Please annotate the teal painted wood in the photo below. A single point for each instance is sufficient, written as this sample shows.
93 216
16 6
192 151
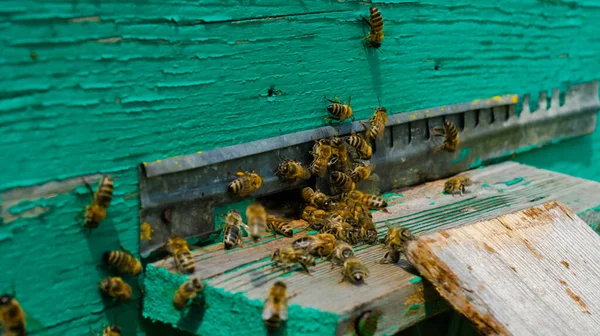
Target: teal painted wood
113 83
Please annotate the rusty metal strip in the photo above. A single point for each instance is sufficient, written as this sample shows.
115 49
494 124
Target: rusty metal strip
192 186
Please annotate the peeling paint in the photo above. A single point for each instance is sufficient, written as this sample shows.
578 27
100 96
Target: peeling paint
464 153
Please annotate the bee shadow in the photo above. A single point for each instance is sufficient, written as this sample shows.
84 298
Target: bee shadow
192 317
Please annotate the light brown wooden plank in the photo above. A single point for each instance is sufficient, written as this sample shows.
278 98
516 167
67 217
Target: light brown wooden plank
532 272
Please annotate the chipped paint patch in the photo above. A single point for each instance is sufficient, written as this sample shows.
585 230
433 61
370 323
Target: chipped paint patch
513 181
476 163
415 280
464 152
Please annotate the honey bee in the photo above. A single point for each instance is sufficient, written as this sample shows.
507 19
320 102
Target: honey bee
115 287
275 309
450 134
370 201
337 226
246 183
363 149
457 183
338 110
354 271
341 252
96 211
361 171
375 21
322 154
123 261
397 238
320 245
12 316
342 181
376 124
288 256
314 216
390 257
279 226
314 198
111 330
340 153
292 170
182 255
232 234
257 220
367 229
188 290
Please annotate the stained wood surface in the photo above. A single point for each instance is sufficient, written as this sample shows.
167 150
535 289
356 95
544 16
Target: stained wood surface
393 290
531 272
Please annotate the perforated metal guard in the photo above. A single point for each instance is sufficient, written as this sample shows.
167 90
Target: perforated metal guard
190 187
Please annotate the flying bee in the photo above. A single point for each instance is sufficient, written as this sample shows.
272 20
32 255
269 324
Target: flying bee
232 234
320 245
257 220
314 198
322 158
111 330
96 211
354 271
375 37
115 287
450 134
288 256
341 252
362 171
363 149
369 200
292 170
12 316
338 110
246 183
342 181
275 309
457 183
178 247
279 226
340 153
375 127
123 261
188 290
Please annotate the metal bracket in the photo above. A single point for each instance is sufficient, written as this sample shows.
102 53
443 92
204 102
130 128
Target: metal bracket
190 187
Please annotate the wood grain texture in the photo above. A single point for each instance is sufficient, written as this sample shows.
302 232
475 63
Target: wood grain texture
531 272
90 87
395 291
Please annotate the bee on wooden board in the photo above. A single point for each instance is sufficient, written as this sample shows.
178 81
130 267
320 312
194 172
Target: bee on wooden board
342 181
257 220
246 183
122 261
179 249
450 134
111 330
322 158
338 110
287 256
279 226
375 22
375 127
314 216
12 316
370 201
457 183
319 245
232 234
354 271
314 198
341 252
390 257
363 149
396 239
368 231
275 309
292 170
115 287
96 211
189 290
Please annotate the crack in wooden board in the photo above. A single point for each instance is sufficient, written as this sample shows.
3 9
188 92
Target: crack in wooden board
520 284
248 271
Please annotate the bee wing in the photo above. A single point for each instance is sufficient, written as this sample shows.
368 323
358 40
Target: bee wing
268 310
370 185
283 312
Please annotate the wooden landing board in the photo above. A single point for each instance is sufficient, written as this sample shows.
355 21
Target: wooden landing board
531 272
393 290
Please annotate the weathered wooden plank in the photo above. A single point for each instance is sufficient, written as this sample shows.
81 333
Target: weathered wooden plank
395 291
532 272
